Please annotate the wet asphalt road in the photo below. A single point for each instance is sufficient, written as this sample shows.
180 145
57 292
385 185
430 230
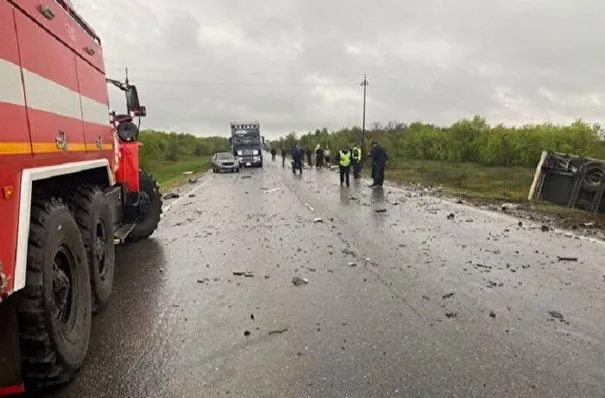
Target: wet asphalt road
432 307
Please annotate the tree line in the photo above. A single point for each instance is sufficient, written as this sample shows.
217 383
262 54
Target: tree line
172 147
468 140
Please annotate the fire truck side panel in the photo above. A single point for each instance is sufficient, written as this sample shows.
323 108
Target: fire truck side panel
14 139
51 89
95 107
65 28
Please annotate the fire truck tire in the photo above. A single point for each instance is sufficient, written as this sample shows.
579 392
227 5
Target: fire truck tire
93 215
54 308
150 208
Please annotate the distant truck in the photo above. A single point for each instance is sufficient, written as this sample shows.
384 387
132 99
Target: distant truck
247 143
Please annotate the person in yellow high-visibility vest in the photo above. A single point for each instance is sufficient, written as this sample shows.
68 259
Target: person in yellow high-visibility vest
344 165
356 161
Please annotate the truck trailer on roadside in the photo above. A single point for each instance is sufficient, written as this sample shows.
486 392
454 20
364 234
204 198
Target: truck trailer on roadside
70 190
247 143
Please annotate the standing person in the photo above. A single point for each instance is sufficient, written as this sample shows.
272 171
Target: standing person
309 156
356 161
273 153
344 165
297 158
380 159
283 157
319 156
327 156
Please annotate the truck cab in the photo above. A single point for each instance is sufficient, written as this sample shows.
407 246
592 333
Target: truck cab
247 143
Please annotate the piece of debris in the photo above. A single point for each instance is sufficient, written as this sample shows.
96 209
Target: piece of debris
297 281
318 220
239 273
545 228
567 258
267 276
508 206
483 266
555 314
446 296
279 331
246 333
311 269
451 314
171 195
492 314
193 180
247 176
187 172
252 316
451 216
248 275
191 195
352 264
520 223
588 224
380 210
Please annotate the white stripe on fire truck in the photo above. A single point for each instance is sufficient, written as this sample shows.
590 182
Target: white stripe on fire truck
45 95
11 90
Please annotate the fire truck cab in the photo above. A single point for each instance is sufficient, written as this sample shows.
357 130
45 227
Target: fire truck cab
70 190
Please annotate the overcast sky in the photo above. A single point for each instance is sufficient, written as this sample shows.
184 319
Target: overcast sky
297 64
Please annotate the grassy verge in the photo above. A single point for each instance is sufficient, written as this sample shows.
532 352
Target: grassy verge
170 174
469 180
485 186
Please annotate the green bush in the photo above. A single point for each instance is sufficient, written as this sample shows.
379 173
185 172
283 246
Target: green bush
159 146
466 141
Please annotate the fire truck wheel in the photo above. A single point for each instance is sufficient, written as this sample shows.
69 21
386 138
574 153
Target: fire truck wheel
93 215
54 308
150 207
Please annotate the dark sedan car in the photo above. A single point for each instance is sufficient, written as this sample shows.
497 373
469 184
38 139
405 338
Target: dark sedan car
224 161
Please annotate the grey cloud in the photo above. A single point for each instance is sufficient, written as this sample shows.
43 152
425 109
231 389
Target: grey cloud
297 64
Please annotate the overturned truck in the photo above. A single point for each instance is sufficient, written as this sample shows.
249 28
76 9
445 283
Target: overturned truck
570 180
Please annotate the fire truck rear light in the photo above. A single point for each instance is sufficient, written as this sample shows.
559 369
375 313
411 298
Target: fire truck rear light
47 12
7 192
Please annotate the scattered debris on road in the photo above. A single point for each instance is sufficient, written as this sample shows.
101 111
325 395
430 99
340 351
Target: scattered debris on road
545 228
246 333
279 331
171 195
380 210
189 172
246 176
446 296
298 281
246 274
318 220
352 264
559 258
451 314
492 314
191 195
193 180
451 216
252 316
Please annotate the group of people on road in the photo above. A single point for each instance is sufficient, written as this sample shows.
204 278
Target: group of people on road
346 158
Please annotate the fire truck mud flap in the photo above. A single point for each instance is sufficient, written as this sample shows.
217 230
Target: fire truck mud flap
10 359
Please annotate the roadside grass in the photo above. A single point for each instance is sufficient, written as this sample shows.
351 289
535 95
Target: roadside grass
483 186
466 179
169 174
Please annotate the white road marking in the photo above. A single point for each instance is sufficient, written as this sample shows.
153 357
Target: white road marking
166 208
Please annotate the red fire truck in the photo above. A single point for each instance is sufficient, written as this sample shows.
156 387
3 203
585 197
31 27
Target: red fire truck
70 190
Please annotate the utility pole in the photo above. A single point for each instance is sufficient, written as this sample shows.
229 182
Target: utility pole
364 84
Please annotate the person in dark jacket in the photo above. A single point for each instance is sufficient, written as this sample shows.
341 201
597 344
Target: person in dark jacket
297 158
309 156
319 156
380 160
283 157
273 153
